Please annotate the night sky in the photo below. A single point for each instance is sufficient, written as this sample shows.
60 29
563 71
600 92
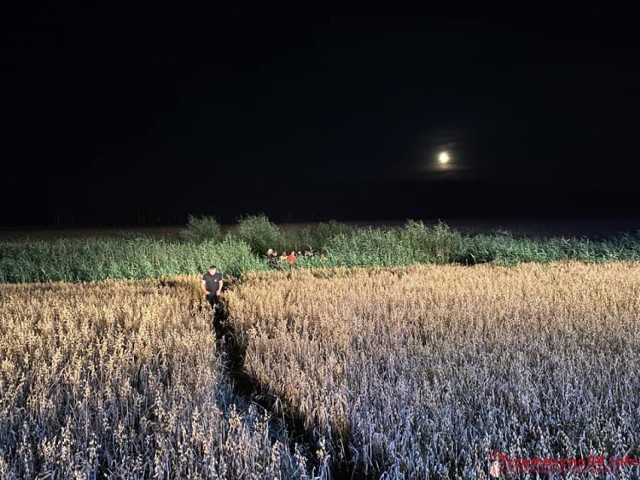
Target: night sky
114 115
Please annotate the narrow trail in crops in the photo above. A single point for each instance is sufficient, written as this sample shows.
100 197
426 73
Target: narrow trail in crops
249 388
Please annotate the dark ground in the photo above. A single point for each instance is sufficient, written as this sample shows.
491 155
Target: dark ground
297 198
530 226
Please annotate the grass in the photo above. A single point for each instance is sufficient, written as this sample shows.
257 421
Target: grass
244 250
74 260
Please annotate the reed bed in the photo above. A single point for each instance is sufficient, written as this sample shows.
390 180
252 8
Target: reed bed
90 259
420 372
335 245
121 379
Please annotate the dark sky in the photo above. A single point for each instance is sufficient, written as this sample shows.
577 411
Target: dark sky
120 114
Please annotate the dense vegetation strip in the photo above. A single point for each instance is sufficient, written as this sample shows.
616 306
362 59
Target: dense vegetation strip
334 245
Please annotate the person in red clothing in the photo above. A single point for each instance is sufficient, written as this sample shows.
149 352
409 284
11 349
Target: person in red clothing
291 258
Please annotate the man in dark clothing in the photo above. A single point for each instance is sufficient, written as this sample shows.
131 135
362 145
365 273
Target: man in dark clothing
212 286
272 258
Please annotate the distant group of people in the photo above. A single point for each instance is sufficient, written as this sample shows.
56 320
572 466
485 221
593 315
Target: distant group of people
212 282
274 259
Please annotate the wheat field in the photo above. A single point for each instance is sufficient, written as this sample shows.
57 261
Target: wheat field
121 379
420 372
415 372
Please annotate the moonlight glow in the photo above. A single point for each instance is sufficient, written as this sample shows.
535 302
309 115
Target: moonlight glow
443 158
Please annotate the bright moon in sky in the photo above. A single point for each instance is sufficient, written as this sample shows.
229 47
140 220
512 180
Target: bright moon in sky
443 158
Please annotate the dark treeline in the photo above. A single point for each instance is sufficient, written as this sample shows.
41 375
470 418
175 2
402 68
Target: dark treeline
120 201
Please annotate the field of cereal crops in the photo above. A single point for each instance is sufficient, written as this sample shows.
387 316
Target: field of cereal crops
412 372
122 379
420 372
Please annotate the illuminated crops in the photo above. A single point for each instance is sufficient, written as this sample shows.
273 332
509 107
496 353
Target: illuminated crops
414 372
122 380
422 371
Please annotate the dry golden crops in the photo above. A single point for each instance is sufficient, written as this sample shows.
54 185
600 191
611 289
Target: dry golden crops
407 373
421 372
122 380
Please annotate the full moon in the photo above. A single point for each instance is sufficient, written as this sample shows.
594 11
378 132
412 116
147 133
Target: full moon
443 158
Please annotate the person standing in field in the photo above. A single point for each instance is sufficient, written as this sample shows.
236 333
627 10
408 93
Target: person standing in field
272 257
212 286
